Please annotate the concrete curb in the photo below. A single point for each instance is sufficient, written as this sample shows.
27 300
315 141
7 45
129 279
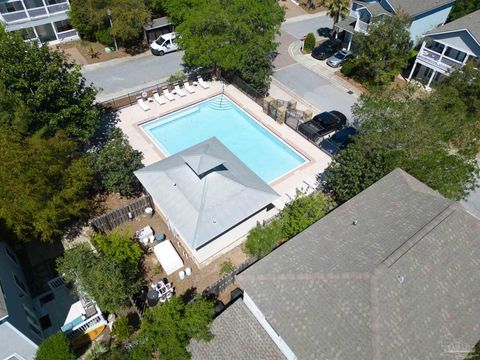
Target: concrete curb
91 67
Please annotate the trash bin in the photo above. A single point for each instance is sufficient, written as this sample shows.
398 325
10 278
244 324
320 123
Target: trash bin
149 211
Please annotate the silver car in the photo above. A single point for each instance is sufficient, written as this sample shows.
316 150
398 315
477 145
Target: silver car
339 58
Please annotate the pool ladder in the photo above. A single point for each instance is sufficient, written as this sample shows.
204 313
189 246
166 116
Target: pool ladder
220 103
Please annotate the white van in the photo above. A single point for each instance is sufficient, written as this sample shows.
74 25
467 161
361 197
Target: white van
164 44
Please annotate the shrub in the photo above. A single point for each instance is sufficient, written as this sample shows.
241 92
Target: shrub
178 76
261 240
103 36
309 42
348 68
226 267
122 329
55 347
119 247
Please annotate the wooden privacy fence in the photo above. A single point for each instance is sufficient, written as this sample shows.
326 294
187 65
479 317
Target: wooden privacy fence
117 217
224 282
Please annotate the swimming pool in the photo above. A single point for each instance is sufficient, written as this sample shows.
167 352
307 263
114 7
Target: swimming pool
263 152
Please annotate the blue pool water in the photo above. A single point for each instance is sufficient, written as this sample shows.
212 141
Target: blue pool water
263 152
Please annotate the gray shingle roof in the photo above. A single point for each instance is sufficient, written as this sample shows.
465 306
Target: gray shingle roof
237 336
416 7
401 283
470 22
205 190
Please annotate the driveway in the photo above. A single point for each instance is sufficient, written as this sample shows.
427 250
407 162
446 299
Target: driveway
319 24
121 76
318 91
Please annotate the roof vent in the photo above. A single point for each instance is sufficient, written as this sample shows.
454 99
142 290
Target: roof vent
355 222
401 279
214 221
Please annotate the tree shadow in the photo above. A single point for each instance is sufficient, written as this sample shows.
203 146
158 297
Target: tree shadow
325 32
189 296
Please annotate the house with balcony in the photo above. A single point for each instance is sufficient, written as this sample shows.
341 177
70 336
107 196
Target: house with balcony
45 21
27 319
392 274
425 15
447 48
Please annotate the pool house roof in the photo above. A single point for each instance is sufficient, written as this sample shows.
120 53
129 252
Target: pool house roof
204 191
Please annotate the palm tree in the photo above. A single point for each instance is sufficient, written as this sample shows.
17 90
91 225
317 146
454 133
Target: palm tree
337 9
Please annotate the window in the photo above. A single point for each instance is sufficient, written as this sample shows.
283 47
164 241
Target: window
27 34
63 25
10 254
53 2
20 284
11 7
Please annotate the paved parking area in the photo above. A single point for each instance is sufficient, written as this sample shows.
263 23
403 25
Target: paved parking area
318 91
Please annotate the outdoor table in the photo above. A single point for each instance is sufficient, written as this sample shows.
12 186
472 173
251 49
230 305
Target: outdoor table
144 233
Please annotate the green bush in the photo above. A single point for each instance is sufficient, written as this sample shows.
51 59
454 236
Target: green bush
294 218
261 240
348 68
55 347
122 329
226 267
119 247
309 42
103 36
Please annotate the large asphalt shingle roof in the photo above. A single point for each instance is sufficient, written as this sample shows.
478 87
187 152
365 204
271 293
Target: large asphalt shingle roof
237 336
400 284
205 190
416 7
470 22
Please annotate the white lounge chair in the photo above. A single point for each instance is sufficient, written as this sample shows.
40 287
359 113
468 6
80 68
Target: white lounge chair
188 87
179 91
159 99
143 105
168 94
203 83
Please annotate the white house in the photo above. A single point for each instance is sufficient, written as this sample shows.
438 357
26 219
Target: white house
38 20
208 197
448 48
425 15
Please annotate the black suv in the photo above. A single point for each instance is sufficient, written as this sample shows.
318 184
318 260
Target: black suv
323 124
327 49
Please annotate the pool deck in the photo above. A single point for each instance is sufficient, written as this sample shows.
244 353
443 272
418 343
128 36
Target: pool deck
131 117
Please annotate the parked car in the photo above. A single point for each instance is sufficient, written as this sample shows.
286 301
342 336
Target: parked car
327 49
338 141
323 124
164 44
339 58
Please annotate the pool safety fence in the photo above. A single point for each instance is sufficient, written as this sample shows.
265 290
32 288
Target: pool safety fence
113 219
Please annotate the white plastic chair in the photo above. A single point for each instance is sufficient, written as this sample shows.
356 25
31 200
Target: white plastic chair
202 83
189 88
188 271
179 91
159 99
181 275
168 95
143 105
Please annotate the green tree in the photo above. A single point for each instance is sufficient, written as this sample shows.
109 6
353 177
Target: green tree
45 185
109 282
262 239
337 9
55 347
115 165
462 8
90 18
379 58
120 247
166 330
232 36
309 42
400 129
122 330
48 90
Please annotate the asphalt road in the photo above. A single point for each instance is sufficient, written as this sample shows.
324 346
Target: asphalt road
119 77
319 25
318 91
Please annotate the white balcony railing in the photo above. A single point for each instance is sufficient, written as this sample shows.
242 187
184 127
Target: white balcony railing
89 324
66 34
438 60
33 13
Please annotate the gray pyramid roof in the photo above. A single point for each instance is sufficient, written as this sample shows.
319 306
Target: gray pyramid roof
400 284
470 22
205 190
